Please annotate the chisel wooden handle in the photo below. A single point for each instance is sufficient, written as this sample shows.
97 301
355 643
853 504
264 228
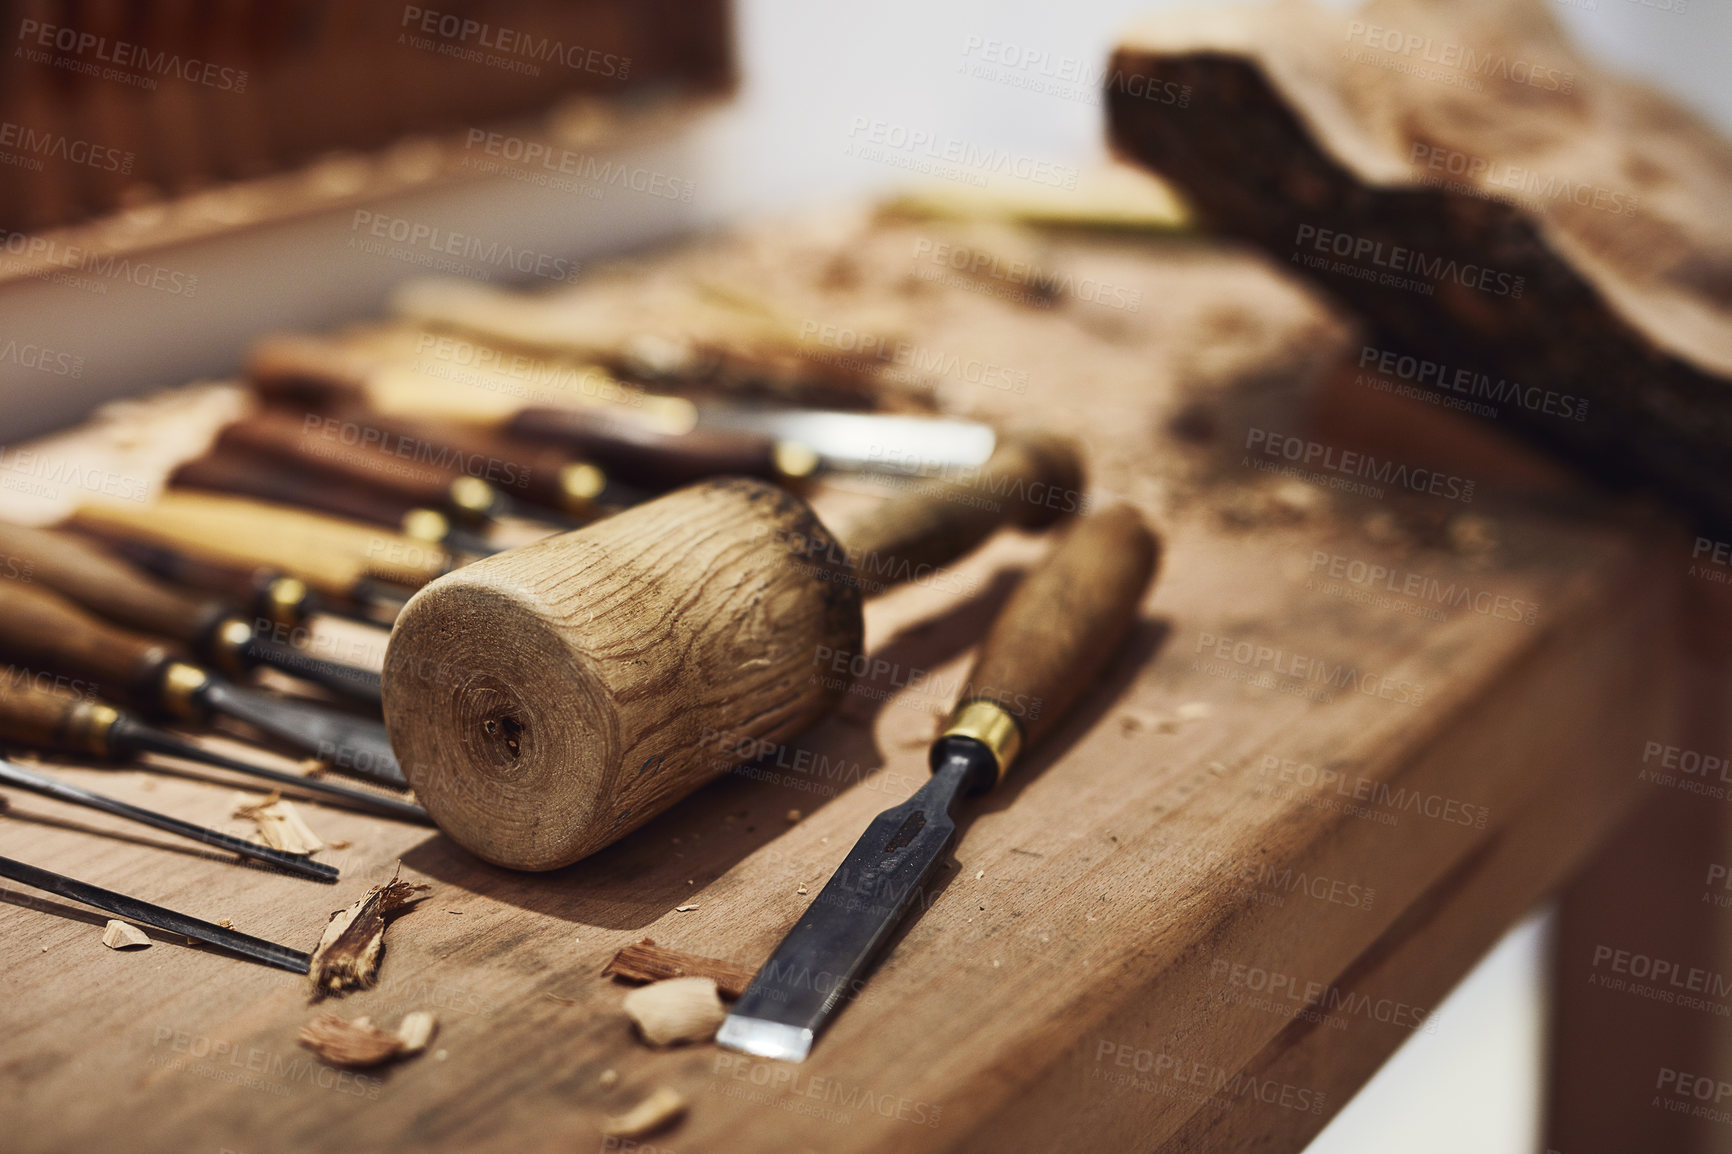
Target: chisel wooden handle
1054 635
41 630
331 447
109 586
1032 480
266 480
311 372
641 454
31 713
547 701
333 556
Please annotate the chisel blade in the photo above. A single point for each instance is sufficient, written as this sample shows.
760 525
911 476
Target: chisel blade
349 680
350 744
824 958
247 946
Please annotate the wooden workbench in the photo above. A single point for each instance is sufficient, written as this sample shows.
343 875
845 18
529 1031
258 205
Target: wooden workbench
1294 777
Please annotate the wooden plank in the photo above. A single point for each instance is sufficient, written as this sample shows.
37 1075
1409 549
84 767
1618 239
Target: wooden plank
1172 822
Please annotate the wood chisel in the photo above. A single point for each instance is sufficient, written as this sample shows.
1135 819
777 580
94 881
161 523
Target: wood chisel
133 909
15 775
40 629
1048 644
63 723
126 595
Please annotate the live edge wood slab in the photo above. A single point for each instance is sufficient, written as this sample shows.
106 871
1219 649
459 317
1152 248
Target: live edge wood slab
1349 742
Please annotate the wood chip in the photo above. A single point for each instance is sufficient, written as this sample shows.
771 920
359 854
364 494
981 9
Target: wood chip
676 1011
686 909
280 825
658 1110
119 935
648 962
359 1043
347 956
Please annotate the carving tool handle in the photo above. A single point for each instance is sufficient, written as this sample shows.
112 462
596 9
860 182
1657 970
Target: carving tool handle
640 454
346 450
33 713
41 630
238 474
1031 480
1055 634
106 585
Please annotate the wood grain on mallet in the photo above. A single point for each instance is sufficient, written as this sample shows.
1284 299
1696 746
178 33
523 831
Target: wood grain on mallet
549 700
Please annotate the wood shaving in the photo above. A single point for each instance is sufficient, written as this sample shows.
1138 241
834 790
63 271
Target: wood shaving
347 956
359 1043
280 825
685 909
119 935
677 1010
561 999
658 1110
648 962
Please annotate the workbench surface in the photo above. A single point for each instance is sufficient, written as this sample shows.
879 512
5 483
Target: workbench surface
1316 765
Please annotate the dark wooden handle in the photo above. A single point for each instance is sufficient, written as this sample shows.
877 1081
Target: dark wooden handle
252 476
106 585
1065 620
357 453
1032 480
307 371
642 455
33 711
42 631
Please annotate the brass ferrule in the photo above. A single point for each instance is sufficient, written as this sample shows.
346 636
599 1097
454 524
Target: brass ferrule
794 460
228 645
580 483
428 526
181 685
472 498
285 601
990 724
88 727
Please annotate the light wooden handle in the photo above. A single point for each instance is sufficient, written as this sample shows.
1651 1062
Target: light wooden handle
1032 480
34 713
106 585
331 555
547 701
1054 635
44 632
